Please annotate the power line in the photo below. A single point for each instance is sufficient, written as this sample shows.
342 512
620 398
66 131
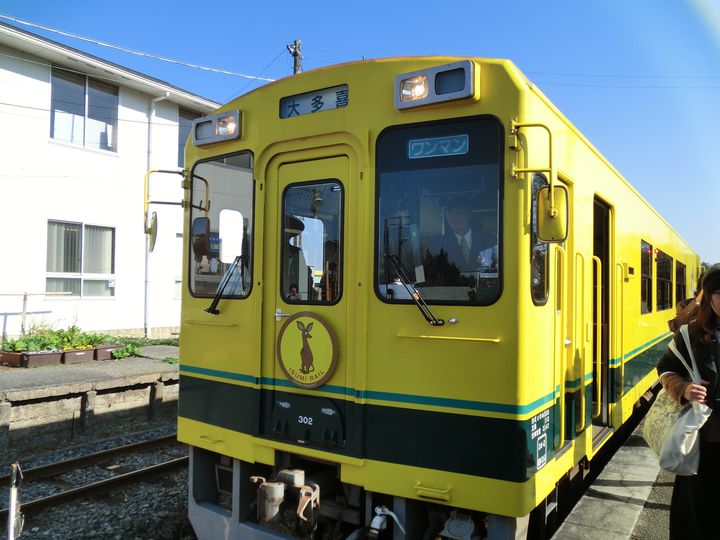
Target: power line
609 76
345 55
242 90
135 52
629 86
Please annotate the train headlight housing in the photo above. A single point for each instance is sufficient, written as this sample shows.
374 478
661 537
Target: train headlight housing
414 88
224 126
449 82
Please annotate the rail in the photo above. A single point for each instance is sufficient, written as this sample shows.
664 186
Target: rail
54 469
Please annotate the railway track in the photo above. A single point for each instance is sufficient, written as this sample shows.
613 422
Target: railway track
52 470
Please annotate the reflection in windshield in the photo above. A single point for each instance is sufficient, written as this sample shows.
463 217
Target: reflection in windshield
440 215
230 184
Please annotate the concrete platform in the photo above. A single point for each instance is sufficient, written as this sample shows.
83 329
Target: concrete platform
54 401
630 499
18 384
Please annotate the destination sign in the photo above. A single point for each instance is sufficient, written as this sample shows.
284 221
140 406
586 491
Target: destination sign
454 145
326 99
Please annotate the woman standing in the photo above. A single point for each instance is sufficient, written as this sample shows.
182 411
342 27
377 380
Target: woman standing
695 506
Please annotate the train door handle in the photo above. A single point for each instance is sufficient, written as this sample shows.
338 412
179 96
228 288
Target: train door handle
280 315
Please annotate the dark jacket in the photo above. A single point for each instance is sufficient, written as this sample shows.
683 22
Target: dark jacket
448 243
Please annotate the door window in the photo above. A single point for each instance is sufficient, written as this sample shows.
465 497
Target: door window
311 243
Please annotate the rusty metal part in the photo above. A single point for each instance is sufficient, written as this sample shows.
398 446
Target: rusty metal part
309 494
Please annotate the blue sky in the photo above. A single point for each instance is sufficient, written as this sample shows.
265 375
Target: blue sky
640 78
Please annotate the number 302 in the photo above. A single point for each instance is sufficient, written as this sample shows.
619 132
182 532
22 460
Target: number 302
307 420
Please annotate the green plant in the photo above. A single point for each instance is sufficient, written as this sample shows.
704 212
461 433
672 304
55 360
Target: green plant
143 341
171 360
38 338
96 339
72 338
128 350
30 343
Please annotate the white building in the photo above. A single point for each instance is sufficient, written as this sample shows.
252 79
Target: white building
77 135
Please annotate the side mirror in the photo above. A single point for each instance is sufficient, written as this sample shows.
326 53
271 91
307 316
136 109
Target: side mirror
201 237
231 235
552 223
152 231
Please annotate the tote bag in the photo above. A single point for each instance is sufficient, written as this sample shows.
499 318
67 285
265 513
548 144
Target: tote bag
672 430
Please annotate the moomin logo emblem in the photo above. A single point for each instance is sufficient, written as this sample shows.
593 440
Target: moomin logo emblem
307 350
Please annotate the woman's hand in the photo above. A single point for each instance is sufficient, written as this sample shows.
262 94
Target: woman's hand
696 392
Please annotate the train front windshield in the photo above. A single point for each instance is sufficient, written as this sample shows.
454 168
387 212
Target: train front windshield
439 208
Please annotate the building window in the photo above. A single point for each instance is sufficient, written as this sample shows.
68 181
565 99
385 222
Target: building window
84 111
680 290
645 277
664 265
80 259
185 120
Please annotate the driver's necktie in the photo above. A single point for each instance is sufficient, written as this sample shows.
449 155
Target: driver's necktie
464 251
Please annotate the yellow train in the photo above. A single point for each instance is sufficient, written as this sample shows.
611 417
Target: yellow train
417 300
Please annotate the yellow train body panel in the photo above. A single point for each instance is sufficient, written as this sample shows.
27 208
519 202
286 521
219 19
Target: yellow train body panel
545 347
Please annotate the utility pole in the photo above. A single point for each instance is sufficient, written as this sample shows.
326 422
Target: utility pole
294 50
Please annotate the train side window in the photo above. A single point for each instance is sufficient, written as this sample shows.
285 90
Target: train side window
223 185
664 265
311 258
538 250
680 281
645 277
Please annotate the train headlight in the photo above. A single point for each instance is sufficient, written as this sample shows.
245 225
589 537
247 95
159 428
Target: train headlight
414 88
448 82
224 126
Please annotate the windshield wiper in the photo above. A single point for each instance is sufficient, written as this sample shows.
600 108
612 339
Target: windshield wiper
408 284
213 310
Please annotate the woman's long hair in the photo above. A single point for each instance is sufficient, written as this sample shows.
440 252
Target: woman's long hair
706 319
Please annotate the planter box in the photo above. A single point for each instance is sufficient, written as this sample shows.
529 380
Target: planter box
104 352
11 358
31 359
77 356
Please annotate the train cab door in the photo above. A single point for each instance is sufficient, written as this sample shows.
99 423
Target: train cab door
602 383
304 362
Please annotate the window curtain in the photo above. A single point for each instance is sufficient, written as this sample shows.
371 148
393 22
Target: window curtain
63 247
99 243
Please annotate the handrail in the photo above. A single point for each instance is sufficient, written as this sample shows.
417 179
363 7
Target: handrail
620 321
598 336
560 343
147 202
580 336
516 126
